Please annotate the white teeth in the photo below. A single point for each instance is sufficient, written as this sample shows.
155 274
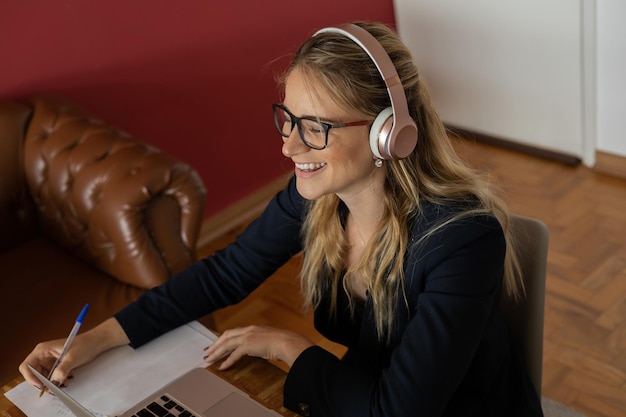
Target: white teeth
311 166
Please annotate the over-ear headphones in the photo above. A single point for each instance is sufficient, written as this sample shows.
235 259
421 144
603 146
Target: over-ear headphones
393 134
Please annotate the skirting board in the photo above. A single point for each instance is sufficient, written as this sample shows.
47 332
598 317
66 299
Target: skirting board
244 209
563 158
605 163
611 164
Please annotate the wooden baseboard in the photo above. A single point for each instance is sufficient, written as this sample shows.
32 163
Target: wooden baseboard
611 164
244 209
514 146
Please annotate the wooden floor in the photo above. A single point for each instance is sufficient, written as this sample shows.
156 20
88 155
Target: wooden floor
585 315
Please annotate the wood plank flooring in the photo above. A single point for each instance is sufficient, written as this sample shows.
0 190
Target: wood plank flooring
585 315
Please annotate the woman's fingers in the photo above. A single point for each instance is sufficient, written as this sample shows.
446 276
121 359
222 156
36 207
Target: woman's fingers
225 344
42 359
260 341
44 355
231 358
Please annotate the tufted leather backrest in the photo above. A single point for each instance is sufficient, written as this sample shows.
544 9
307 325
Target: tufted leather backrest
118 204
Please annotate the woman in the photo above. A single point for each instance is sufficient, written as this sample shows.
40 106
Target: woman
405 257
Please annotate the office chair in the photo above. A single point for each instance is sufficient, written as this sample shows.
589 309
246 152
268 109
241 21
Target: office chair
525 316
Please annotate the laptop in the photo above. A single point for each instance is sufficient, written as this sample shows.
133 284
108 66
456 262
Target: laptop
197 393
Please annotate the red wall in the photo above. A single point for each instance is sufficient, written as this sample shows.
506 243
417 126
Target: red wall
192 77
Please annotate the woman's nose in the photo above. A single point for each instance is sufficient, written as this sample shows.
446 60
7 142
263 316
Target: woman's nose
293 144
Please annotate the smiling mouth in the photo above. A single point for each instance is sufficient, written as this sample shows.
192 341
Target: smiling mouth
309 167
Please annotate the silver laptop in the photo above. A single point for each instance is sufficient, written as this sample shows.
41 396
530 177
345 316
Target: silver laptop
198 393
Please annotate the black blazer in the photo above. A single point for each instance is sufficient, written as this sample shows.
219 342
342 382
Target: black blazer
450 353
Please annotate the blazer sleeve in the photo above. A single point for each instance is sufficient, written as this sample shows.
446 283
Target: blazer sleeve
224 278
459 271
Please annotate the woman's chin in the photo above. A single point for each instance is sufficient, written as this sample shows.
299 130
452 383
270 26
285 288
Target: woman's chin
307 190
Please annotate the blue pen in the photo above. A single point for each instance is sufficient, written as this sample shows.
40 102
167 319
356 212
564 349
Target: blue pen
68 342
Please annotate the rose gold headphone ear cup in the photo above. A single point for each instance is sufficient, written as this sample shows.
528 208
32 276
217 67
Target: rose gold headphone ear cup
379 133
386 145
404 141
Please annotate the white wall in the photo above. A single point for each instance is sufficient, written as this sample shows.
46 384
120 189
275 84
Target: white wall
548 73
509 69
611 76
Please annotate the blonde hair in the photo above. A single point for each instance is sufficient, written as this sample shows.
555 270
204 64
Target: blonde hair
433 172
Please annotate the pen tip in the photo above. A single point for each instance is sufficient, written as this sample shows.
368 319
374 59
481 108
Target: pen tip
82 314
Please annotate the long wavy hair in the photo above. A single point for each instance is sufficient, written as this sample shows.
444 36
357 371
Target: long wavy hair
432 172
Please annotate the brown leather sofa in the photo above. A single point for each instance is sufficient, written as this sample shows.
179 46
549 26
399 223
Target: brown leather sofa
87 215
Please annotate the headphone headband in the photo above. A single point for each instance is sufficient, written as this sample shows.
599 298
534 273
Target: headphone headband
395 135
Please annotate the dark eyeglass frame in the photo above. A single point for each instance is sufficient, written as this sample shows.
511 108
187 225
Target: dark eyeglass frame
295 121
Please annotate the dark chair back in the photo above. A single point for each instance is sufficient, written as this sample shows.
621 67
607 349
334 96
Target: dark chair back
525 317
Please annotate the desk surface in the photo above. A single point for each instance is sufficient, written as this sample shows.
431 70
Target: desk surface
259 378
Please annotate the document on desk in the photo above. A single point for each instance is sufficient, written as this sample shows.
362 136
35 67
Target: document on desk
121 377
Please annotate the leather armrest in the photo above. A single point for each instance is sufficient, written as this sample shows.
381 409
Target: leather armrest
121 205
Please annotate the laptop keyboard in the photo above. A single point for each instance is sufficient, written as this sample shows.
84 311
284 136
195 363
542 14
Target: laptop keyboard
164 406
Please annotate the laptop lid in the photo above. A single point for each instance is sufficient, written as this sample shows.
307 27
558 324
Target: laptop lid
199 391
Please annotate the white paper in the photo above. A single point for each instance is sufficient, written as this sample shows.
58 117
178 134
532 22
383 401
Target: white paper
121 377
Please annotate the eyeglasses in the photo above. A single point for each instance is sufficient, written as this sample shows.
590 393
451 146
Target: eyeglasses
313 132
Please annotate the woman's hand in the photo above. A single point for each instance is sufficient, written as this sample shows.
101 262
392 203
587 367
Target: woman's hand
84 349
261 341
